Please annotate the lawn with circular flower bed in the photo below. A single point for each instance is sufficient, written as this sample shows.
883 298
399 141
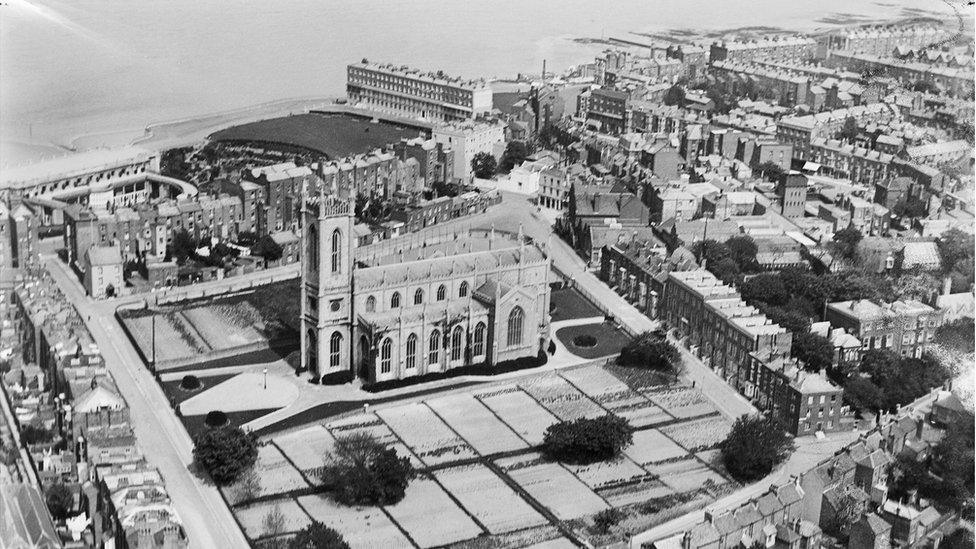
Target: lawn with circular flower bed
593 340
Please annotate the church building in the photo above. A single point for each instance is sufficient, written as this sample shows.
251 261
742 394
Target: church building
418 304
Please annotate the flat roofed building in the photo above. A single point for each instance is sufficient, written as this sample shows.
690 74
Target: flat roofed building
409 92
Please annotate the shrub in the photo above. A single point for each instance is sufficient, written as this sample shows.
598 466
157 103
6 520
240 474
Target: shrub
606 518
216 418
552 347
587 440
754 446
584 341
190 382
651 350
317 536
363 471
274 522
60 501
225 453
31 434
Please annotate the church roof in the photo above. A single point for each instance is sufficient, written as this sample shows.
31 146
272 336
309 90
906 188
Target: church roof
424 270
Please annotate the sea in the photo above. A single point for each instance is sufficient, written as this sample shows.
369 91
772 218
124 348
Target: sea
71 71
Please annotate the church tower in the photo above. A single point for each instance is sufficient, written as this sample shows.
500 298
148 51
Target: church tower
327 263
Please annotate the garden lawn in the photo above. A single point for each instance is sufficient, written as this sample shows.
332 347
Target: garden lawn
650 446
561 398
641 380
569 304
489 499
252 516
277 475
609 339
476 424
699 434
307 449
360 526
521 412
372 425
553 486
428 437
430 517
245 391
178 395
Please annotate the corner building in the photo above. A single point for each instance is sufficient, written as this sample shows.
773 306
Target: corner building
419 304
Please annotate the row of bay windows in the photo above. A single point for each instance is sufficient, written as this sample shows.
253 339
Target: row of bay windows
516 321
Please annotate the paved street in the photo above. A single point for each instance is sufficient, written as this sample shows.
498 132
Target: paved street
162 438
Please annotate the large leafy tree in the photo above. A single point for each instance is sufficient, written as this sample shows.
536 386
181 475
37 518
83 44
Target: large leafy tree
845 241
183 246
955 247
754 446
363 471
484 165
815 351
267 248
587 440
651 350
675 96
742 250
515 153
225 453
317 536
60 501
849 130
765 288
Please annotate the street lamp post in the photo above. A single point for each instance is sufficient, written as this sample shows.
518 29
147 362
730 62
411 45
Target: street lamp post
265 378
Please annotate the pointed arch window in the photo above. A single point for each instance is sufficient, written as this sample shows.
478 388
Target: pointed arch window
336 250
335 350
434 348
457 338
386 356
515 320
418 297
395 301
411 351
479 340
370 304
313 249
441 293
463 290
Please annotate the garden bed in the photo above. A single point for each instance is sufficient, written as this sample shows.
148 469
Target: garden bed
476 424
699 434
520 411
559 397
307 449
430 517
359 526
557 489
252 517
425 434
489 499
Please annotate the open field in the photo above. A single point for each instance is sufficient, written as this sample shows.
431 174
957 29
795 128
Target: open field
335 135
482 481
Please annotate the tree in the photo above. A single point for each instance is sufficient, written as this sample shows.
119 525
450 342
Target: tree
848 510
918 286
754 446
248 238
849 131
225 453
770 170
902 379
766 288
32 434
274 522
651 350
960 538
724 269
363 471
587 440
675 96
813 350
958 335
60 501
483 165
515 153
846 241
267 248
863 394
955 247
183 246
743 251
952 461
792 319
317 536
248 487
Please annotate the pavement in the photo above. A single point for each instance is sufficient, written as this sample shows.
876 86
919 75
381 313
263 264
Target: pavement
160 435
